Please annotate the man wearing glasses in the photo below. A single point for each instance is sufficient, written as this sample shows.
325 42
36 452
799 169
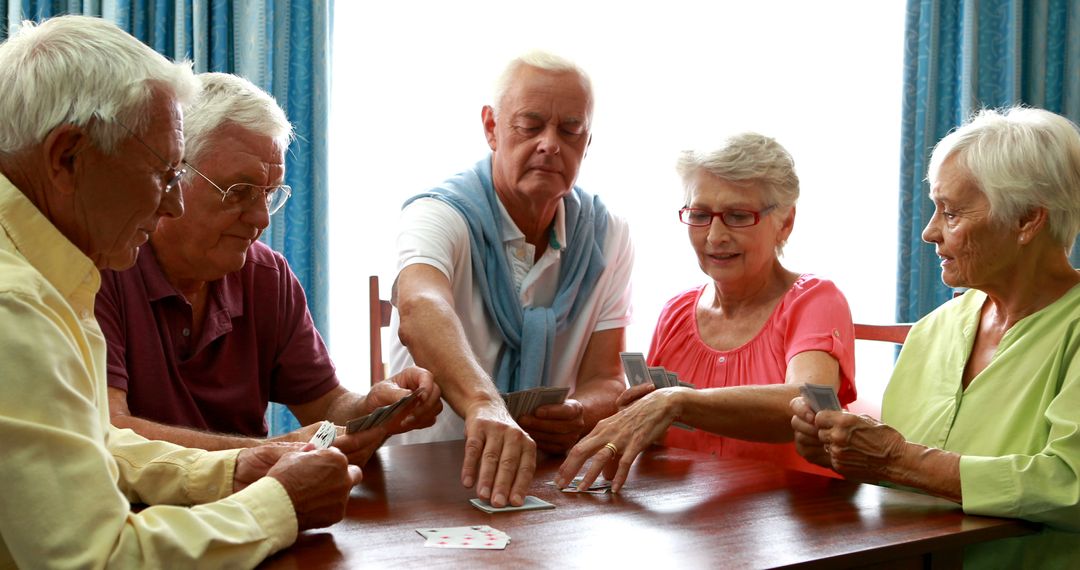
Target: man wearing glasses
90 163
211 324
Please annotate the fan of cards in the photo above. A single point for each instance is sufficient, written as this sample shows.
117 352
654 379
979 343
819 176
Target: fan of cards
525 402
379 416
638 372
480 537
820 397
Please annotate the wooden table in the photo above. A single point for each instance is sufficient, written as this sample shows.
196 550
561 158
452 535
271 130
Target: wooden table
679 509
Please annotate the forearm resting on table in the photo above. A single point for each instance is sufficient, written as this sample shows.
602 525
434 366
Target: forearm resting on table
934 471
186 437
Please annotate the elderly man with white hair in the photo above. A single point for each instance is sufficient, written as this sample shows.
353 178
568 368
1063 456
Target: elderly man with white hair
90 161
511 277
211 324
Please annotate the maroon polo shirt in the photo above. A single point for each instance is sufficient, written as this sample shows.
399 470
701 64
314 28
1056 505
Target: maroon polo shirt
258 344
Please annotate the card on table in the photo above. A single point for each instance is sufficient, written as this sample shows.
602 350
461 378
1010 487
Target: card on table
531 503
379 416
599 486
480 537
820 397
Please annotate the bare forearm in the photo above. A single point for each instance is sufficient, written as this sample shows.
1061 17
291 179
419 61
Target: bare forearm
753 413
929 469
184 436
431 331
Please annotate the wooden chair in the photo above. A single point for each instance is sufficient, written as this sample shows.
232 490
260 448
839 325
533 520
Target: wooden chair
378 317
886 333
895 333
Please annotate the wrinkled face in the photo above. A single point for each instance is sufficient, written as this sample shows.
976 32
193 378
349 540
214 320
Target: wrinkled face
975 251
120 196
540 135
731 256
210 241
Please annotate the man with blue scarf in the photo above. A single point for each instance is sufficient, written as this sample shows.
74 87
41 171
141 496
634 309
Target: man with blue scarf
511 277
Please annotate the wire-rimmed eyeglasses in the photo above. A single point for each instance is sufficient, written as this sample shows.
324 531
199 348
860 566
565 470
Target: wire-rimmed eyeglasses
237 196
175 174
731 218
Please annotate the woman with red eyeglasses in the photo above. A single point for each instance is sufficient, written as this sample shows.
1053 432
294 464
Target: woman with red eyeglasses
747 338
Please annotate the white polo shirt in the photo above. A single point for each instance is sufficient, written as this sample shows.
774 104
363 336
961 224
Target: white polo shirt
434 233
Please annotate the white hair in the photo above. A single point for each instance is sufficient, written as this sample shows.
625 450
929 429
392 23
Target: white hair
746 157
540 60
227 98
1021 158
83 71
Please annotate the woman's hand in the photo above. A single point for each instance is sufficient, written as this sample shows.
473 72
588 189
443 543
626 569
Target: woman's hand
858 447
629 432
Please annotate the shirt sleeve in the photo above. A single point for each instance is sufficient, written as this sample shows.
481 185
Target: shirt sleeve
433 233
1042 487
615 307
819 319
63 493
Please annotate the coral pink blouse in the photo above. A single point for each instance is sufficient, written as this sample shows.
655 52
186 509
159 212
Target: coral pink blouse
813 315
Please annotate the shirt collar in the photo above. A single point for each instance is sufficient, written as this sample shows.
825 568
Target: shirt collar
62 264
227 292
557 237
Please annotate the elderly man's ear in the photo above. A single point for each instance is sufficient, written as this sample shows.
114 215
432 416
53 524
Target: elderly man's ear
61 153
487 115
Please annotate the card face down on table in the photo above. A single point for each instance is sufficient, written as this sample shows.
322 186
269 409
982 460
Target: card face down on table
531 504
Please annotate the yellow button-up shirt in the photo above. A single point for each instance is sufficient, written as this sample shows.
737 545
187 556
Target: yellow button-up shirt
68 477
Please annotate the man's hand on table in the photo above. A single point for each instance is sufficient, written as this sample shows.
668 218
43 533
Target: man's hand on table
500 457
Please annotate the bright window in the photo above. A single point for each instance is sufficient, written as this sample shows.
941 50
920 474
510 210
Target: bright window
823 78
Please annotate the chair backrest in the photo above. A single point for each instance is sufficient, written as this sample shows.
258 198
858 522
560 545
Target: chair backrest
887 333
378 317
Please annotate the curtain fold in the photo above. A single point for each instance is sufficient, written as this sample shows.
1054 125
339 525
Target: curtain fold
283 47
960 56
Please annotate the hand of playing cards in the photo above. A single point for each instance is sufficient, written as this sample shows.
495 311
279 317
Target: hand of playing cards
379 416
525 402
638 372
820 397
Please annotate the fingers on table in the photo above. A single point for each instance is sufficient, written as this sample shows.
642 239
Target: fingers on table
506 462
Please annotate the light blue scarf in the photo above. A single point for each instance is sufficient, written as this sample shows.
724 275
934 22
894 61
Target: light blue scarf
528 334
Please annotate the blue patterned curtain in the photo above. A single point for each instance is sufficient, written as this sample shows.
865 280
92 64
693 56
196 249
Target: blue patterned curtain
282 46
961 55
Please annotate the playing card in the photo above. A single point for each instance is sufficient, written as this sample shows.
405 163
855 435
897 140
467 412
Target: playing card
525 402
820 397
658 376
531 503
480 537
325 435
598 487
378 416
633 363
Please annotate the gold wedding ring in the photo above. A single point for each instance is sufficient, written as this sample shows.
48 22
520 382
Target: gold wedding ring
611 446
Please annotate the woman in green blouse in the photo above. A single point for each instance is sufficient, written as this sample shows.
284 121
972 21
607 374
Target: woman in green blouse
984 403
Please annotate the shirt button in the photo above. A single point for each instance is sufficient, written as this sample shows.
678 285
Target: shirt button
836 333
722 359
186 332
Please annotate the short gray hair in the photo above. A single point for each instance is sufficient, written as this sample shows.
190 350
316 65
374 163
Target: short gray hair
539 59
83 71
1021 158
227 98
746 157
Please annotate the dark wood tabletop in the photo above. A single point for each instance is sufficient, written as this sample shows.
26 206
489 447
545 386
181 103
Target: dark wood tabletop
679 509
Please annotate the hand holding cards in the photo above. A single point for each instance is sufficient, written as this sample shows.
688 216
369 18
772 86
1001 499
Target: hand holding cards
379 416
325 436
525 402
820 397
